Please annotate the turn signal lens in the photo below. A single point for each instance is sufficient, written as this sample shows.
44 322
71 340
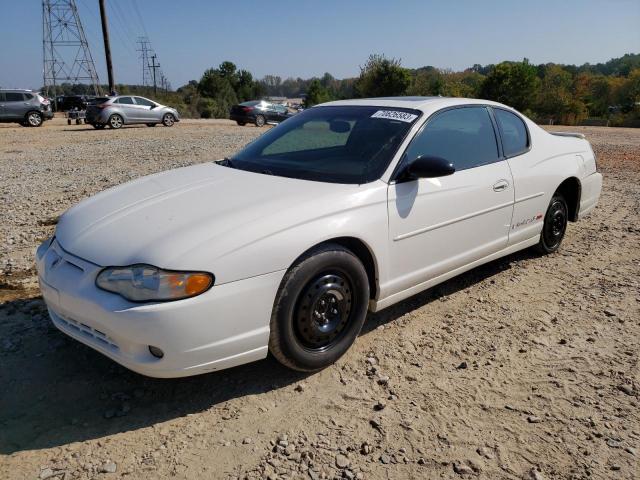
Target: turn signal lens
197 283
144 283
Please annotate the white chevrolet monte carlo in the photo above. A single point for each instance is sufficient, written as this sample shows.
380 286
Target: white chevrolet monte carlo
348 207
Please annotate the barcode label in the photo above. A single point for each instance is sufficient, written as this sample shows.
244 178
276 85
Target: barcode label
395 115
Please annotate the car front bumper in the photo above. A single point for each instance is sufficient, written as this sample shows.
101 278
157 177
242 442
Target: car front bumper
224 327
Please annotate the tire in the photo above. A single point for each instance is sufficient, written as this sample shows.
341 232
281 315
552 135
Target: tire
68 121
242 124
115 121
34 119
168 120
99 126
307 332
151 124
260 121
555 225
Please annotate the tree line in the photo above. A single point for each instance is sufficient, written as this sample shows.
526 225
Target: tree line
548 93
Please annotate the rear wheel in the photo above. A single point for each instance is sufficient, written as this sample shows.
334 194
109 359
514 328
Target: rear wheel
99 126
319 309
34 119
115 121
168 120
555 225
260 121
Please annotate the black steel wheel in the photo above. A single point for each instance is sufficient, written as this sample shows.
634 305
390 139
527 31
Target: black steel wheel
319 309
323 310
555 225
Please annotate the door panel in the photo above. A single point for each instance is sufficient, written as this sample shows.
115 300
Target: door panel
439 224
15 106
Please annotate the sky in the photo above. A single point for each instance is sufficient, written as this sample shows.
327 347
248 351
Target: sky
307 38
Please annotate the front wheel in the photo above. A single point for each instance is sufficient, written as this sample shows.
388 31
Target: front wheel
34 119
115 121
151 124
260 121
555 225
242 124
319 309
168 120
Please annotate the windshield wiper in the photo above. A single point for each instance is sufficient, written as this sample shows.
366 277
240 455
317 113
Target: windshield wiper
226 162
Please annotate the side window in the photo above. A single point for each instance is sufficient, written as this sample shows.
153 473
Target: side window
124 101
2 97
515 139
144 102
14 97
464 136
28 96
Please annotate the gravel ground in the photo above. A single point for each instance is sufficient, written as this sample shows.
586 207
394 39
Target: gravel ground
525 368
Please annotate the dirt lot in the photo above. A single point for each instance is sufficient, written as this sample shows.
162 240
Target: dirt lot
526 368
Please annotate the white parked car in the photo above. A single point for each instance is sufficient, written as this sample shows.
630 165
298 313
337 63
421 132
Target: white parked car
346 208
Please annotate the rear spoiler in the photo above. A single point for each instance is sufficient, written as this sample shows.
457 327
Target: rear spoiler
568 134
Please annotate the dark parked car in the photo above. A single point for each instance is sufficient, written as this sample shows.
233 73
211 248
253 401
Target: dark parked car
26 107
71 102
259 112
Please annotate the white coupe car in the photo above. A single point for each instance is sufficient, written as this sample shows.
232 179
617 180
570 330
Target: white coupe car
348 207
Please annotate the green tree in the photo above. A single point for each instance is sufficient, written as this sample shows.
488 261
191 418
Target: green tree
512 83
382 77
316 94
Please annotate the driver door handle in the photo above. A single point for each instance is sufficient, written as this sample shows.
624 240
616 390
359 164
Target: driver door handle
500 186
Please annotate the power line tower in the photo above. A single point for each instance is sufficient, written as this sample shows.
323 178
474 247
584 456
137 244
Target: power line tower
145 54
65 49
152 75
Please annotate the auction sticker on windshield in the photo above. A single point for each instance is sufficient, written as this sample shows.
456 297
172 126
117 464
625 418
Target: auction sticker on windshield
395 115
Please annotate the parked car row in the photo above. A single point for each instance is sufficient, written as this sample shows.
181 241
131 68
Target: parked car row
30 108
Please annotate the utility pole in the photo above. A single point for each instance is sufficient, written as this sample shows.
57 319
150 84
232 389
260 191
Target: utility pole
155 66
107 47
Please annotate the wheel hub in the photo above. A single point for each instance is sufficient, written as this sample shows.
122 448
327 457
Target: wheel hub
323 311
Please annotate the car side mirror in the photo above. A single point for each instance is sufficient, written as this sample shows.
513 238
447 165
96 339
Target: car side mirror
428 167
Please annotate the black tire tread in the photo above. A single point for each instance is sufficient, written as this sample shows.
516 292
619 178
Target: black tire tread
275 347
540 247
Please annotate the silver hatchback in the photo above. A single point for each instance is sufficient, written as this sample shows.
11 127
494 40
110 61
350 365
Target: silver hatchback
129 110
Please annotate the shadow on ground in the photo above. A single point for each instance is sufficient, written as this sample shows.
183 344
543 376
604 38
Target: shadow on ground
56 391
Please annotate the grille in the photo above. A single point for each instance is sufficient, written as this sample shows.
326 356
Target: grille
85 330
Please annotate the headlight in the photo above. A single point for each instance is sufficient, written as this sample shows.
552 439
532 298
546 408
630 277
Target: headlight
143 283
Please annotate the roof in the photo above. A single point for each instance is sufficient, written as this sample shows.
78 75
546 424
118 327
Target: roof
418 103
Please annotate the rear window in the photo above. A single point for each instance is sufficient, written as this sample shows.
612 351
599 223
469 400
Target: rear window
28 96
98 101
253 103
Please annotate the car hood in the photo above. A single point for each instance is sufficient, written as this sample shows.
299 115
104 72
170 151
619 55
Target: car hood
164 218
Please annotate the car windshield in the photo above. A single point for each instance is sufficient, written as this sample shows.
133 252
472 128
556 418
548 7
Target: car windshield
338 144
